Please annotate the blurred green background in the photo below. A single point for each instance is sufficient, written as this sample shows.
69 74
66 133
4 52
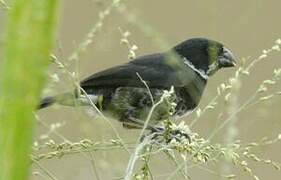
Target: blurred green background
246 27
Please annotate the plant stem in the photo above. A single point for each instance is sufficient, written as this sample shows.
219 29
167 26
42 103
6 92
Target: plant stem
29 37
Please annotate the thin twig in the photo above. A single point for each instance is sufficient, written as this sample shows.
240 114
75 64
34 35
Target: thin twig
94 167
46 171
4 5
148 89
140 144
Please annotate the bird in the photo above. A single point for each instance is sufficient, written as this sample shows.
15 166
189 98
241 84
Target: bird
127 92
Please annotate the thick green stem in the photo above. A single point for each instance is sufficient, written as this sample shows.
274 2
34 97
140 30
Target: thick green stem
29 37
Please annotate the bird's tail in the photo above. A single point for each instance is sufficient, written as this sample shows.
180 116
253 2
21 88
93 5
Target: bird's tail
47 101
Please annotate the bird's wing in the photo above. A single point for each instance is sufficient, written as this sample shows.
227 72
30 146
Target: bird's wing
156 70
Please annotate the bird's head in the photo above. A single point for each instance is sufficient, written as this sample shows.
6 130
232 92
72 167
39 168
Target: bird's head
207 56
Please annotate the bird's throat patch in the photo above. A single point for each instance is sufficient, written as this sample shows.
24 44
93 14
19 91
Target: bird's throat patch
213 51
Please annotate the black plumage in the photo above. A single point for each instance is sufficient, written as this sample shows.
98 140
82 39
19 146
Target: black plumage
186 68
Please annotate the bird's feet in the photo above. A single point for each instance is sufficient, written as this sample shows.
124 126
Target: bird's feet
167 132
170 132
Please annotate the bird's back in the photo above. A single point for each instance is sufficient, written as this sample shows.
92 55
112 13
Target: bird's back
126 97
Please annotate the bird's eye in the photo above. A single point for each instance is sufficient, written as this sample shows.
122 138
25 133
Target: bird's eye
222 50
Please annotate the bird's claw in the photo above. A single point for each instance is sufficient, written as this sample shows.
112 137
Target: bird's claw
159 133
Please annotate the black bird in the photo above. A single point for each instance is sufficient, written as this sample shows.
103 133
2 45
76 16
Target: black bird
120 92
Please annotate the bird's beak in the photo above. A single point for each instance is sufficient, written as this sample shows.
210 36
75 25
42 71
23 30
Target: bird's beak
227 59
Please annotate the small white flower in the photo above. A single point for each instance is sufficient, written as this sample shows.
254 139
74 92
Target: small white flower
218 91
232 81
256 177
172 90
244 163
210 107
278 41
223 86
262 88
269 82
124 41
183 156
58 125
116 2
198 112
262 56
73 74
134 47
182 127
132 54
266 98
127 34
173 104
245 72
226 97
43 136
55 77
35 144
277 72
276 48
53 127
279 136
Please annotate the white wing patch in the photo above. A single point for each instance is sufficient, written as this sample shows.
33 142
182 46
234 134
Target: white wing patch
88 99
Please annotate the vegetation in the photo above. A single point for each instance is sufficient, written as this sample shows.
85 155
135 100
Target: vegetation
33 21
29 36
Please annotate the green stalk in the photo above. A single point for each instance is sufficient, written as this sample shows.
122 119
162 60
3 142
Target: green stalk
29 38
